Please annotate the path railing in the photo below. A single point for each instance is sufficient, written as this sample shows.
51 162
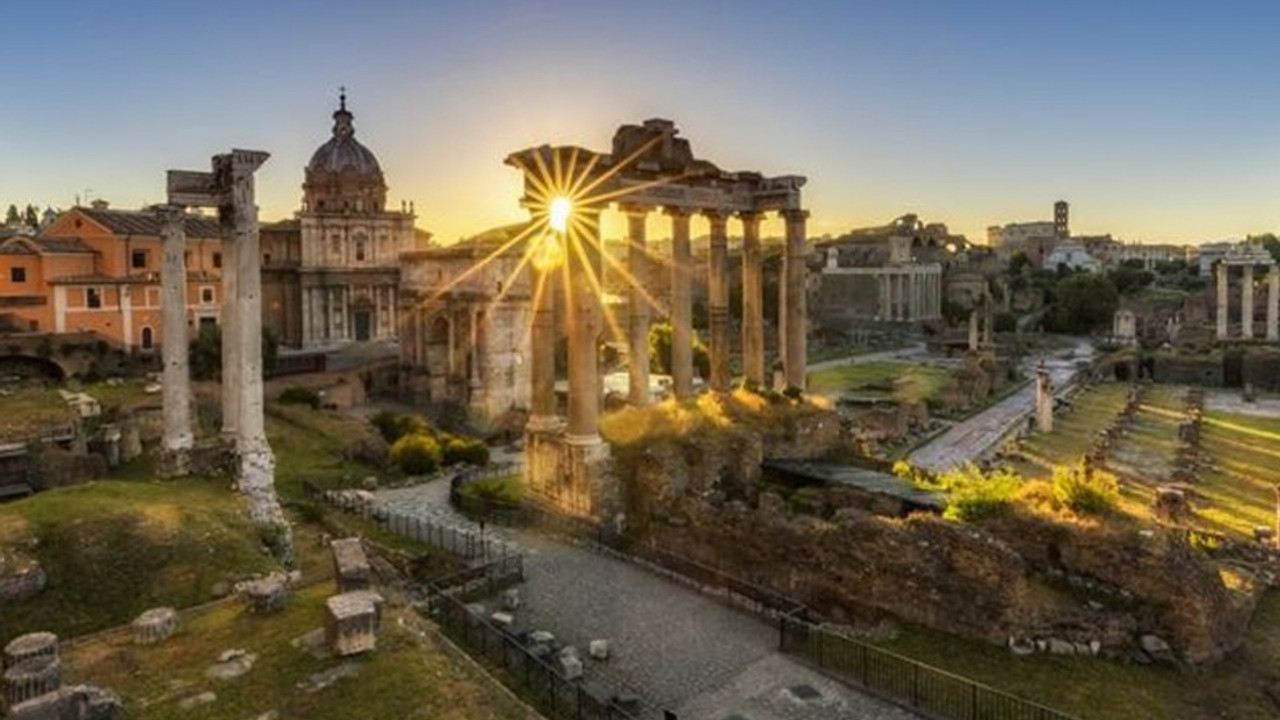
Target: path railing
928 691
518 667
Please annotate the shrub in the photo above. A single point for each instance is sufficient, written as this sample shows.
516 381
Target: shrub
394 425
416 454
1084 490
973 494
300 396
464 450
499 491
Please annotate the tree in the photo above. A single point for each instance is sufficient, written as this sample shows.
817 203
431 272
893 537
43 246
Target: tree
32 216
1082 302
1018 262
660 351
1129 279
12 216
204 355
1269 241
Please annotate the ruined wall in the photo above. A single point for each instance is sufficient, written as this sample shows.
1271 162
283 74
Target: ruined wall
1021 578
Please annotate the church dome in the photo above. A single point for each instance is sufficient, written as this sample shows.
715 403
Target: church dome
343 175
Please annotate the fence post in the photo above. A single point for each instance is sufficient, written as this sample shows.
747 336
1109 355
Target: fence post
973 701
915 684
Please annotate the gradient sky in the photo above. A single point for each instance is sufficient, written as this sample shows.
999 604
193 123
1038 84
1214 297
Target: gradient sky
1159 120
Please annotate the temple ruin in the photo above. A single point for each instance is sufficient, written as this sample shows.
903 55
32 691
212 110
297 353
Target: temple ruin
1247 258
230 189
651 170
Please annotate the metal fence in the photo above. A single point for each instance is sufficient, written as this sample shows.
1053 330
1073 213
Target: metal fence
457 541
927 690
528 675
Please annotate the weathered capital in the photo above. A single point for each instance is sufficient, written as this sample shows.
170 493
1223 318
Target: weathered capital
633 209
169 213
793 215
677 212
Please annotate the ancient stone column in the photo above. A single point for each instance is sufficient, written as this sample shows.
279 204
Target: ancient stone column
681 304
913 307
257 462
794 274
638 332
1246 304
1044 400
886 303
988 321
542 363
973 329
178 438
584 328
1273 304
752 300
718 300
230 323
1223 280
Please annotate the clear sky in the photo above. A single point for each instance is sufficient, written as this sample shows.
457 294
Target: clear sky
1156 119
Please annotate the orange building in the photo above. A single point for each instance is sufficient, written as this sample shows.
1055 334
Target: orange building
98 270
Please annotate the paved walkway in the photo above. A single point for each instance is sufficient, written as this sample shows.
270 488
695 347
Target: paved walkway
906 353
1230 401
675 648
971 438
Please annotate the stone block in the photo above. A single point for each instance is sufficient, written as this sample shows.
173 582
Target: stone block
351 623
155 626
351 565
503 620
598 649
568 663
195 701
81 702
32 678
268 594
23 647
1061 647
511 599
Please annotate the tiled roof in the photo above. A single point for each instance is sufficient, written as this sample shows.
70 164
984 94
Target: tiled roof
62 245
15 248
136 222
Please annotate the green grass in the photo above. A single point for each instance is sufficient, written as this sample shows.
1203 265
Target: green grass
29 411
900 382
408 676
1238 490
308 445
113 549
1075 429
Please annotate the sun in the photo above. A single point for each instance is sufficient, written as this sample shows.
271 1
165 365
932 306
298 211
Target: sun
558 214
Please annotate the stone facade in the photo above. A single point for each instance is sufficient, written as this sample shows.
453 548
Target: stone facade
332 275
465 320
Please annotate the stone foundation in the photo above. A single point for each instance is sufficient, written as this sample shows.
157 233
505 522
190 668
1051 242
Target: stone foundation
574 476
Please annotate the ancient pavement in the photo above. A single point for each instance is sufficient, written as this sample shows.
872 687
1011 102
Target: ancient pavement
1230 401
675 648
971 438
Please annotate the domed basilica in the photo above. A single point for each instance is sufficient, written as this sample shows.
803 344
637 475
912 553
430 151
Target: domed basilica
332 275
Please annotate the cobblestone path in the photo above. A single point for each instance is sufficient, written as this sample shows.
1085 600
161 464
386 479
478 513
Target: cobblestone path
672 647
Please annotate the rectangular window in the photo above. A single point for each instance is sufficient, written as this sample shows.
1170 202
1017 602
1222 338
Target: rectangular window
17 274
206 296
138 260
92 297
217 260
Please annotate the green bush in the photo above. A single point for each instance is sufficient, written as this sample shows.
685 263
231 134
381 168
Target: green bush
464 450
498 491
394 425
300 396
973 494
416 454
1085 491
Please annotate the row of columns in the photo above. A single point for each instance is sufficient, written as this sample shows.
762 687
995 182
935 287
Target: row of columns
910 294
1247 302
584 315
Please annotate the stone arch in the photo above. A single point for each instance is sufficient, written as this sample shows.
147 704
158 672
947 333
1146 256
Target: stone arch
33 366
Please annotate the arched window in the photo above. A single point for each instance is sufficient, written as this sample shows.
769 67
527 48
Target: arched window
360 251
148 338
